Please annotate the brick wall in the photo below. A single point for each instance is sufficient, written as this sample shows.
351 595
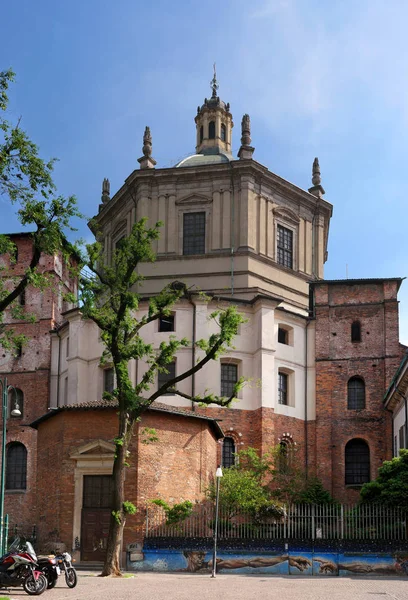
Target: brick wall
177 467
31 371
374 359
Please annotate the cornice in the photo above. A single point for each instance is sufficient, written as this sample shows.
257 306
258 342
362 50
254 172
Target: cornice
235 169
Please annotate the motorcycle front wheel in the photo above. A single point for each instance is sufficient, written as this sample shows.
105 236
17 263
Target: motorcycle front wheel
33 586
71 577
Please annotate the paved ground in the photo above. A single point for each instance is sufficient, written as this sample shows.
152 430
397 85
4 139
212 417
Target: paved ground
180 586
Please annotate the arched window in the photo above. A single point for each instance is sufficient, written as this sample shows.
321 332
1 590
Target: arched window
356 331
223 133
357 462
16 467
15 400
283 457
201 133
355 394
228 453
211 130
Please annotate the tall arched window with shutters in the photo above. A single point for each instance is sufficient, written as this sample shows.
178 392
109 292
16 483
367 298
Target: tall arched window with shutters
16 466
355 393
228 452
357 462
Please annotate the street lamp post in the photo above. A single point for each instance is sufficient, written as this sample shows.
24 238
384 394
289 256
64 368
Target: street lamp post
5 388
218 475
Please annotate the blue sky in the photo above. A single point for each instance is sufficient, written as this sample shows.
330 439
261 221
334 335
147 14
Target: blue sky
326 79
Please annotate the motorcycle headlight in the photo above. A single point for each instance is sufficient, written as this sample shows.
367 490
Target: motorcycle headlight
67 556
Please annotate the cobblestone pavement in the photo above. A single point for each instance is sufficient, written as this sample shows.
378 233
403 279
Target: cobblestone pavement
177 586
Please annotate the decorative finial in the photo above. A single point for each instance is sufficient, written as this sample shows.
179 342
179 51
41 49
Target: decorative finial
316 179
246 150
317 189
105 190
146 161
246 130
214 84
147 142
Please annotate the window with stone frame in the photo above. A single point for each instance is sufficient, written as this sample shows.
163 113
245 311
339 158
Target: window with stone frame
166 323
163 377
283 388
355 393
357 462
285 246
211 130
194 233
119 242
16 466
228 452
229 377
283 336
108 380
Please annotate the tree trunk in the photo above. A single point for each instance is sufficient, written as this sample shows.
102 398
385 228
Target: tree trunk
118 516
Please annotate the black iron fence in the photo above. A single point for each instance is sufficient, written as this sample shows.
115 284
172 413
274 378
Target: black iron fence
307 521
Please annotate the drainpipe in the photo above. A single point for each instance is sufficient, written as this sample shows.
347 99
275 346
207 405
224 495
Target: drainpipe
392 433
193 352
232 231
58 368
306 427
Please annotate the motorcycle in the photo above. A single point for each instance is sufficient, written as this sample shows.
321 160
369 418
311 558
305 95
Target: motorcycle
52 566
19 567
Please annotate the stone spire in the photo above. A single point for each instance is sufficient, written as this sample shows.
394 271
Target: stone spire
246 150
105 193
214 84
317 189
146 161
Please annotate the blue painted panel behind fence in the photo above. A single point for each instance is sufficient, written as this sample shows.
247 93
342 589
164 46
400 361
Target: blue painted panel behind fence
290 563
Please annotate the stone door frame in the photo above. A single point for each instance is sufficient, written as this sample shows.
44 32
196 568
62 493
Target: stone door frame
94 458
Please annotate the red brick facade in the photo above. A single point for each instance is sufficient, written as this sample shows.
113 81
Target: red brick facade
30 373
374 359
177 467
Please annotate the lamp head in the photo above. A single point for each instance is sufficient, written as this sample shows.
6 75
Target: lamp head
218 472
16 412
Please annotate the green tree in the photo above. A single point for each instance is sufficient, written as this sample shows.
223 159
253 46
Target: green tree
241 490
108 298
391 486
26 181
273 479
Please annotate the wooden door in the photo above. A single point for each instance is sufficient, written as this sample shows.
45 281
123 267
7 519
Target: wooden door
96 511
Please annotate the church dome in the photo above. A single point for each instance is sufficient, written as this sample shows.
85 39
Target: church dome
199 160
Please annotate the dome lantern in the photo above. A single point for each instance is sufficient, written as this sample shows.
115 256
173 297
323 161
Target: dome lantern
214 123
